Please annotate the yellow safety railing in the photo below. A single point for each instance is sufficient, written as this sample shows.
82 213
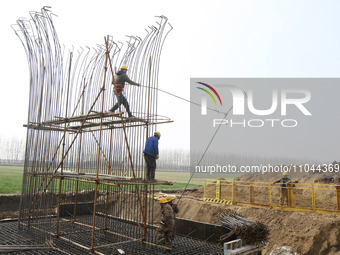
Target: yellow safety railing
321 198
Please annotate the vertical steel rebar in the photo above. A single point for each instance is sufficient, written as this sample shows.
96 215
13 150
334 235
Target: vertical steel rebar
93 145
63 148
99 152
79 157
147 134
125 137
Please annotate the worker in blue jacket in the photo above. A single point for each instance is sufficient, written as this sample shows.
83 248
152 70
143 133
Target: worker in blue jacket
151 154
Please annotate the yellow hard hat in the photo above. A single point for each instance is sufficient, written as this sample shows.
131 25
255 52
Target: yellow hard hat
158 134
169 198
162 200
124 67
285 173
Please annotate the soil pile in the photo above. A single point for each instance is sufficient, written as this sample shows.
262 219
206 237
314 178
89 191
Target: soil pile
306 232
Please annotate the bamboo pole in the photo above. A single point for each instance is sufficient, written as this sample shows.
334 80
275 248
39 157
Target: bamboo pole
99 150
125 136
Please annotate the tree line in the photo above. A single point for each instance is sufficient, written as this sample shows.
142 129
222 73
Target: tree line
12 150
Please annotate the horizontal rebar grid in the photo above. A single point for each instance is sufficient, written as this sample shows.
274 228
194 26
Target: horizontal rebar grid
77 243
81 159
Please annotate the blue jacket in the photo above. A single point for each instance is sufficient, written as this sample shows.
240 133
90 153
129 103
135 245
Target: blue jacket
151 146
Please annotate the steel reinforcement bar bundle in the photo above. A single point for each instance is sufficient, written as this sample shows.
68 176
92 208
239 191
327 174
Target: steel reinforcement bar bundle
80 159
249 231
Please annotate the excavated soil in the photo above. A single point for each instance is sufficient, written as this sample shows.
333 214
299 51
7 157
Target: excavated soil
306 232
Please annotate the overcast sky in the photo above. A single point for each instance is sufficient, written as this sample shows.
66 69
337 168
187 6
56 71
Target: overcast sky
210 39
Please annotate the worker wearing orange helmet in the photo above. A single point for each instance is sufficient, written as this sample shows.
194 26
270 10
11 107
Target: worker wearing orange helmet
175 209
284 187
151 153
169 200
167 223
120 79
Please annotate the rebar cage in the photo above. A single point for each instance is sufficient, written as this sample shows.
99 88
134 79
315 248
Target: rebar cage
80 159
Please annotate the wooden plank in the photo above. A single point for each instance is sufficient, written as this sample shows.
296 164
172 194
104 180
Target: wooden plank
82 117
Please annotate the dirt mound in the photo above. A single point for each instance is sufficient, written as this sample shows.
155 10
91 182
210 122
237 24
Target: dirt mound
306 232
198 210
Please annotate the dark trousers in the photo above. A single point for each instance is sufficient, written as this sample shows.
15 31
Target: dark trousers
167 231
151 166
122 101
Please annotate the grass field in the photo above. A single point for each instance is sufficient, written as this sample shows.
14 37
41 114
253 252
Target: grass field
11 179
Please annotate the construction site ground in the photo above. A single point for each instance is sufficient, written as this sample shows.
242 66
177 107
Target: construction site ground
306 232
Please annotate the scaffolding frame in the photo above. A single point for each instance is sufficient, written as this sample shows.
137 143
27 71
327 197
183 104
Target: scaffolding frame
81 159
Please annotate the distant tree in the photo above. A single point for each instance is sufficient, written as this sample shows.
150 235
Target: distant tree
12 149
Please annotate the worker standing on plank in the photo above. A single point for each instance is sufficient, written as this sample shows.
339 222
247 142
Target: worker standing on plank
151 154
166 228
120 79
284 187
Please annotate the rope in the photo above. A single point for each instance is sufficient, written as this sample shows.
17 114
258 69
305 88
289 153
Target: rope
184 99
206 149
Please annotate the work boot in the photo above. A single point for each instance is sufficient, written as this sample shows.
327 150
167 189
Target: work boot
131 116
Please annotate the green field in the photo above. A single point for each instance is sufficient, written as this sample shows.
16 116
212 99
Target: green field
11 179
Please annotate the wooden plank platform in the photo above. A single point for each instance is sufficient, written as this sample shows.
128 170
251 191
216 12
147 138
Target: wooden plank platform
121 180
107 124
91 116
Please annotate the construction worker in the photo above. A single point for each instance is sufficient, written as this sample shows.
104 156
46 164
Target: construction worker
169 200
151 154
120 79
175 209
167 223
284 187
